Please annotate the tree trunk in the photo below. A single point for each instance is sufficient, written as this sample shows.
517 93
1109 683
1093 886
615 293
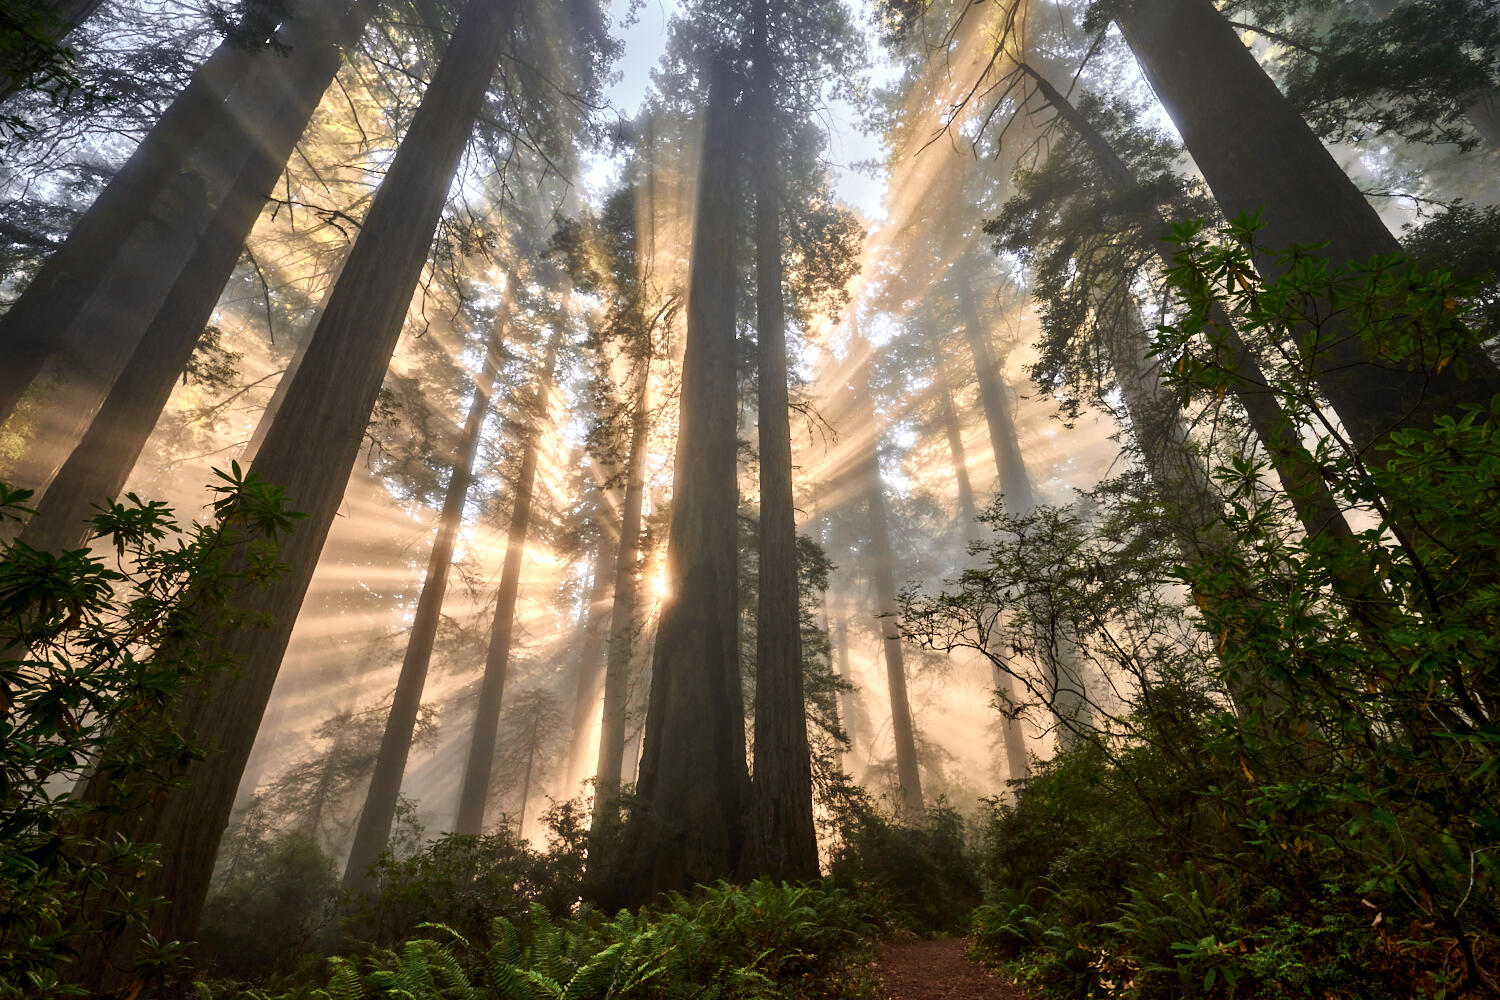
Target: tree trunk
475 791
1256 152
1062 680
101 463
88 309
373 833
688 826
1302 482
882 568
784 844
624 616
845 674
526 781
968 510
309 452
591 656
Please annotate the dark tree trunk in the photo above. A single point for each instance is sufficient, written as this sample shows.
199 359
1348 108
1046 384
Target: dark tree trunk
88 309
474 793
624 618
309 453
1256 152
688 826
783 844
99 466
373 833
882 569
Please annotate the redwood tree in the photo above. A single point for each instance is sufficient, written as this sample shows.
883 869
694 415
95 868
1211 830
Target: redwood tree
688 824
475 789
309 451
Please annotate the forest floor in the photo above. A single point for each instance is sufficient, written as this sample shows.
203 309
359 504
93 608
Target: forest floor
937 970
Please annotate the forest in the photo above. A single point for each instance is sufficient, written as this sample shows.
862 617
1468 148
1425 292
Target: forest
786 499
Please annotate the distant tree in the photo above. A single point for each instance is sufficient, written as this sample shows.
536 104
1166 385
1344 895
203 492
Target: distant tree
375 818
532 744
474 791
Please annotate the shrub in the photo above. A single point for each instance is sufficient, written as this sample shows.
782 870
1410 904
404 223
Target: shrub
95 651
262 923
924 873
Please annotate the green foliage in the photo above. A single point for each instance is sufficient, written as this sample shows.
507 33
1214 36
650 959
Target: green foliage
762 940
99 646
924 874
1412 73
263 921
1299 803
465 882
31 58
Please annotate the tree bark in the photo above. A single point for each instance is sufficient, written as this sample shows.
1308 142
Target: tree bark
784 845
373 832
474 793
624 618
693 785
1256 152
882 569
309 452
101 463
88 309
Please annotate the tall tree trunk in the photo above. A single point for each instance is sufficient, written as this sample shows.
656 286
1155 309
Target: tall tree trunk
101 463
373 832
1302 481
968 510
624 618
591 654
688 826
845 674
784 844
1163 439
1062 680
1256 152
475 791
882 565
31 327
309 452
89 308
526 781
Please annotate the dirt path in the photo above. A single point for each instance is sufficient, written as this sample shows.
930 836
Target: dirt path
937 970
